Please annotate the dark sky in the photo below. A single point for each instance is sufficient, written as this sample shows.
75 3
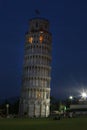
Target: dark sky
68 24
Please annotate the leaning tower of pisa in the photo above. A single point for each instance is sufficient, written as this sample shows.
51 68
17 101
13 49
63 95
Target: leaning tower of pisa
35 92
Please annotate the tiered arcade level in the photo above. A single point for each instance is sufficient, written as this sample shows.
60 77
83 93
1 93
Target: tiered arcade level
35 93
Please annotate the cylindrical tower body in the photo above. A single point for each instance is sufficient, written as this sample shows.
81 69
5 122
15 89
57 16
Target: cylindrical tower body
35 93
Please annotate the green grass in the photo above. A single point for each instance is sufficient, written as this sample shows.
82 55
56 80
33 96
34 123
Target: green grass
44 124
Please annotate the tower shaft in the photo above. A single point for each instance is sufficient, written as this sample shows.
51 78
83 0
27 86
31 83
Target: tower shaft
35 93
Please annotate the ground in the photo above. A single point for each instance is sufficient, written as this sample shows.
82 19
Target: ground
44 124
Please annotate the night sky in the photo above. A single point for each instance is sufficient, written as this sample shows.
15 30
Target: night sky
68 24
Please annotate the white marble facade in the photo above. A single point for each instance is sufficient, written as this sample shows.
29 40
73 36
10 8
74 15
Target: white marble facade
35 92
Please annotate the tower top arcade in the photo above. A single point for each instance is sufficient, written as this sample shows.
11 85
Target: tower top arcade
38 24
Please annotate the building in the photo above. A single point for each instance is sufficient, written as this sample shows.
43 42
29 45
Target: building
35 93
78 108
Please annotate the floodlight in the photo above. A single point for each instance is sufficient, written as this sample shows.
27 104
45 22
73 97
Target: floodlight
70 97
84 95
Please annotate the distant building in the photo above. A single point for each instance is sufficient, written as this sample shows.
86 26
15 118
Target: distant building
35 93
80 108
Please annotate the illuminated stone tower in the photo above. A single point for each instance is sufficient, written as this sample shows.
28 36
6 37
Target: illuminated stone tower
35 93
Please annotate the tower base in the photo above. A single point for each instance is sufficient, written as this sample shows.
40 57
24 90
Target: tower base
35 109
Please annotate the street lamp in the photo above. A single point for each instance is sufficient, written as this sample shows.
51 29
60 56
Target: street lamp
70 97
7 109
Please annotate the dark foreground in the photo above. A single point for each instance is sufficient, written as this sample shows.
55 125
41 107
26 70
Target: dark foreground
44 124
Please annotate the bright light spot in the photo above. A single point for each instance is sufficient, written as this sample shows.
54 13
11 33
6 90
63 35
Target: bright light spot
41 31
71 97
84 95
7 105
30 39
41 39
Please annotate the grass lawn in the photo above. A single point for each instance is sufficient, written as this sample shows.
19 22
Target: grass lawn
44 124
